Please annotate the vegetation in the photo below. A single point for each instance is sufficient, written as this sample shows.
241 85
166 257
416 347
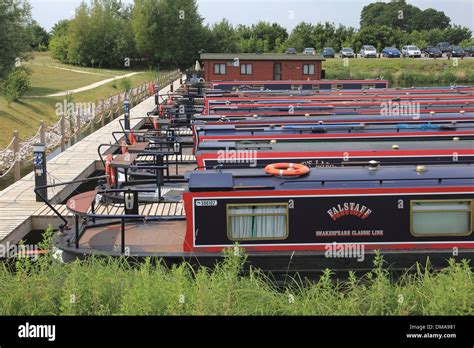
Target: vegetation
15 38
16 85
113 287
403 72
47 76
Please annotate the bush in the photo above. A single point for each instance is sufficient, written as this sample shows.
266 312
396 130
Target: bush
126 84
16 85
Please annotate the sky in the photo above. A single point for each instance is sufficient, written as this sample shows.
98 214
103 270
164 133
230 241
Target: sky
287 13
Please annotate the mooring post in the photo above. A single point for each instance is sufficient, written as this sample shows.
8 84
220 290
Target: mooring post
16 156
171 87
126 114
39 163
157 100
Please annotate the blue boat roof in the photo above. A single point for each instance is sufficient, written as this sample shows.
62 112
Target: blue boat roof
336 178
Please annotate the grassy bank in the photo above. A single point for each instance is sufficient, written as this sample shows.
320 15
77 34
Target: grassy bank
403 72
46 78
112 287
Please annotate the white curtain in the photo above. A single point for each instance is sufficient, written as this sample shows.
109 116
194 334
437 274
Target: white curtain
257 222
441 218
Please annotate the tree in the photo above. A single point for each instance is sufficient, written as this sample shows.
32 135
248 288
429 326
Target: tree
100 35
168 32
222 37
301 36
15 37
399 14
59 41
39 37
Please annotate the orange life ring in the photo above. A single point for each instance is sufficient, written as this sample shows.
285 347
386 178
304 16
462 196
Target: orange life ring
162 111
123 146
286 169
109 171
132 138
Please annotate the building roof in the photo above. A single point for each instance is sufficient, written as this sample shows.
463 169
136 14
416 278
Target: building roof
259 56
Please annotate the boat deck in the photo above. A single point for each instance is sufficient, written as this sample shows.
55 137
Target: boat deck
18 201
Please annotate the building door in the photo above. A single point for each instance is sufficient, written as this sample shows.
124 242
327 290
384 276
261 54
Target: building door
277 71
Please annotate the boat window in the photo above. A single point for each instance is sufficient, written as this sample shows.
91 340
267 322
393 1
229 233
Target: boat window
441 218
315 87
308 69
368 86
257 221
336 86
246 69
296 87
219 69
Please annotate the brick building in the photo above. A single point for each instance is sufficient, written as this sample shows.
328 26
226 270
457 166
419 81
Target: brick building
262 67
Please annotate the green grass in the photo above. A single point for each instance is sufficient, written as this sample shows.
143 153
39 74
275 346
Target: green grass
113 287
25 115
403 72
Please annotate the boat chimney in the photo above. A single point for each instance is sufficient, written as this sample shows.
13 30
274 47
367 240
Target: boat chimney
373 165
420 169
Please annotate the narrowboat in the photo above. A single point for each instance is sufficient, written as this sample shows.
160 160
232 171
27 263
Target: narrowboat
289 218
330 134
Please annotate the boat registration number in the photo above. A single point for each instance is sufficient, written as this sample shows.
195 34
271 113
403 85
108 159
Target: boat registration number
206 203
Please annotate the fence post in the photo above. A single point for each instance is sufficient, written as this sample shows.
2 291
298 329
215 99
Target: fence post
42 133
63 135
16 156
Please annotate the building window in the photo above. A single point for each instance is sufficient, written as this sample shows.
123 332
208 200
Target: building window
441 218
308 69
257 221
219 69
246 69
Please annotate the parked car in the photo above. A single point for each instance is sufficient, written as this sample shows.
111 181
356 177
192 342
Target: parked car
291 50
368 51
391 52
456 51
469 51
309 50
444 46
433 52
347 52
411 51
328 52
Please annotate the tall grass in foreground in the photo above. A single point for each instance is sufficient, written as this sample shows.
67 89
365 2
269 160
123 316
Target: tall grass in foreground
113 287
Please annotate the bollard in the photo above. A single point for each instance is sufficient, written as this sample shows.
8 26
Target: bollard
171 87
39 161
157 101
16 156
126 115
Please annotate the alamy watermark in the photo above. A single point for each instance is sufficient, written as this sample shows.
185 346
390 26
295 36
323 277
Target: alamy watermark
237 157
345 250
401 108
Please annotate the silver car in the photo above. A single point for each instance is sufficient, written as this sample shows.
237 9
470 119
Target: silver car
309 50
368 51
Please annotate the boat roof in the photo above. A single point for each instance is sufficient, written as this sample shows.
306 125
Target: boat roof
334 178
356 127
331 117
209 146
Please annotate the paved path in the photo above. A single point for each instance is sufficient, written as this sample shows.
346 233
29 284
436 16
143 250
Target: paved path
18 202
